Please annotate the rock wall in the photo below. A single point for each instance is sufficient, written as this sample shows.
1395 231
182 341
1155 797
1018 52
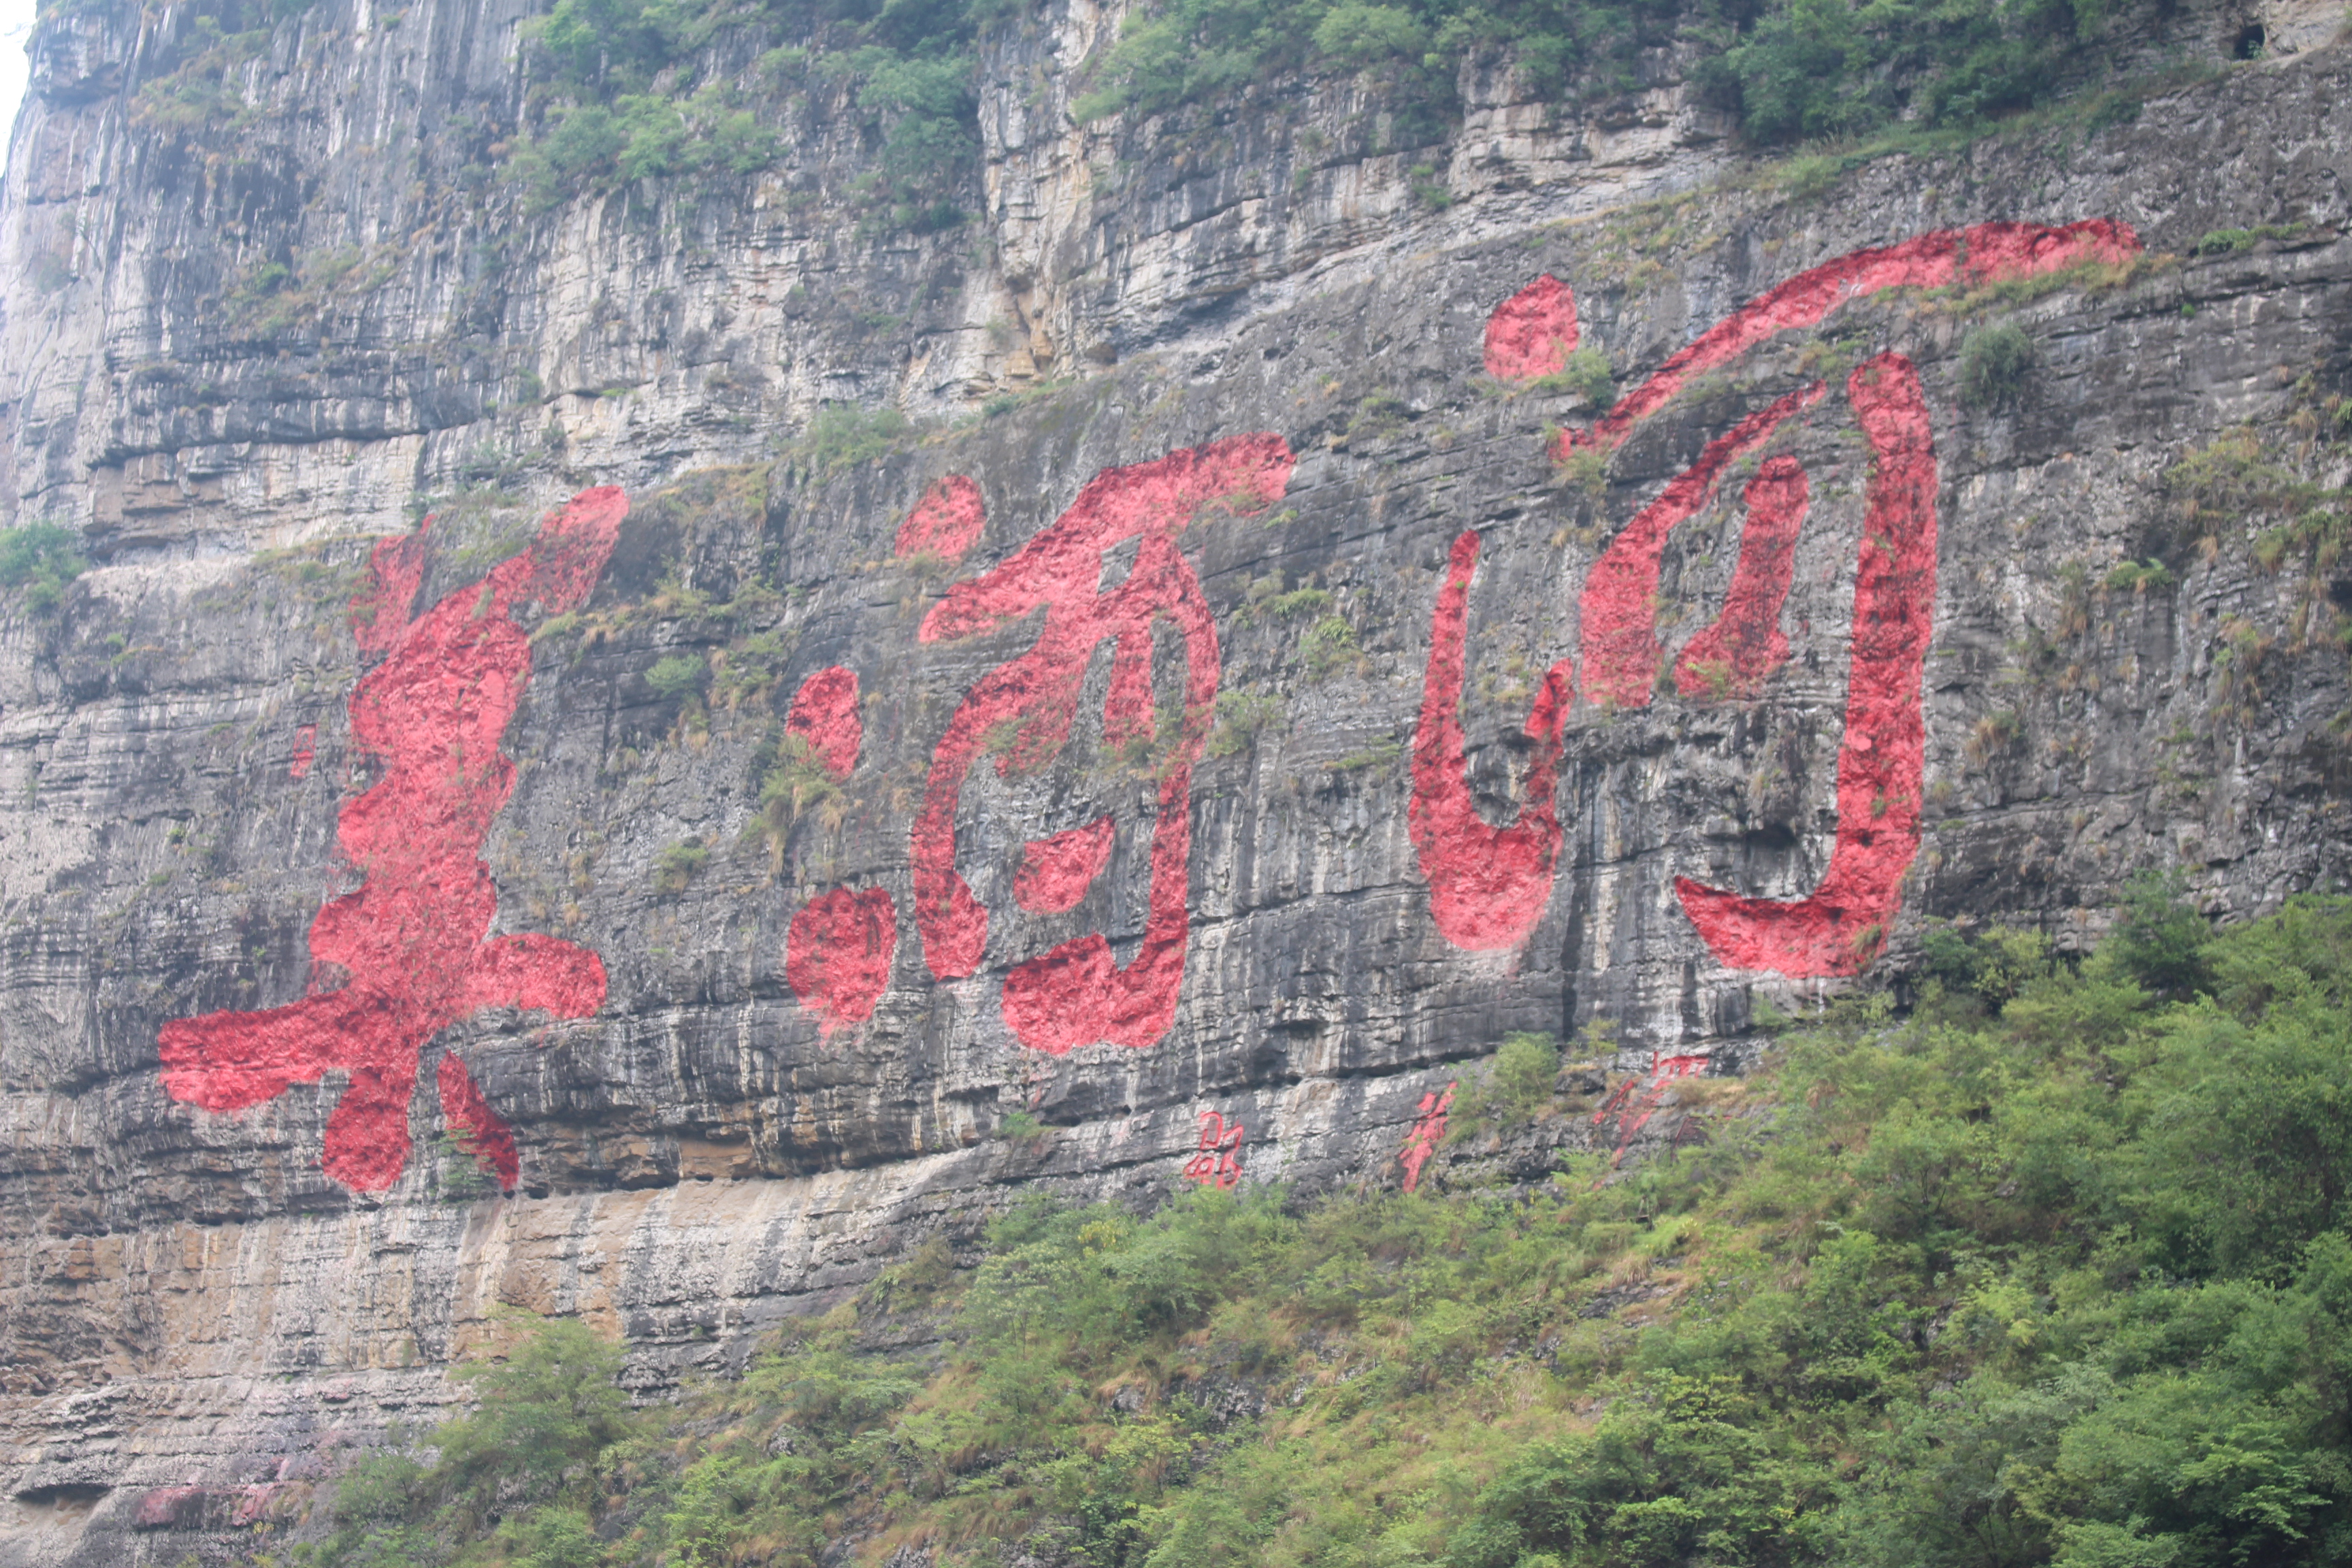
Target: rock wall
1265 665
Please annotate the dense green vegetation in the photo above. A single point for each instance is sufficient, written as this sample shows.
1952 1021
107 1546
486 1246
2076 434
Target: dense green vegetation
2054 1270
625 102
38 560
624 91
635 91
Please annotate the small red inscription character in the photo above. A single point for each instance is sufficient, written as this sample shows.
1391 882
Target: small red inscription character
837 955
1636 1101
1488 886
1219 1163
838 949
411 948
1428 1133
1076 994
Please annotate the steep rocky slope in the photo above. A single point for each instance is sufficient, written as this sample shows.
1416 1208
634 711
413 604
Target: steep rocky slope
611 908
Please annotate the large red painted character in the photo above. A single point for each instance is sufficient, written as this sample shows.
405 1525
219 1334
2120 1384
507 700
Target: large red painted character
1076 994
411 947
1488 886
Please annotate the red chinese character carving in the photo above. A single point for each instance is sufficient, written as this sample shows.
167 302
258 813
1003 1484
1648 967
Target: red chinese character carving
1076 994
1428 1133
945 523
838 950
1636 1101
1987 253
1488 886
1532 334
411 944
824 715
1055 872
1618 608
1219 1163
837 955
1841 924
305 749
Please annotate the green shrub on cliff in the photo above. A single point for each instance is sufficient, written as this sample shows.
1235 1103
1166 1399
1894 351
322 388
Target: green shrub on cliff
634 97
1994 364
38 560
633 90
2061 1277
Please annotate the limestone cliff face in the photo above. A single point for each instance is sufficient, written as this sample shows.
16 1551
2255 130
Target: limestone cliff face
1242 689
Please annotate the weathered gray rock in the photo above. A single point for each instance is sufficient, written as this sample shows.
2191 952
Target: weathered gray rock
192 1312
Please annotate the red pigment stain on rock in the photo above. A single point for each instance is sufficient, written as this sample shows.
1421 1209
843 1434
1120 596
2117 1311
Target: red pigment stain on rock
305 749
944 522
1076 994
1618 614
414 939
1842 925
1745 644
170 1508
1636 1101
1987 253
396 570
837 954
1487 885
1428 1133
1057 872
1532 332
1219 1161
481 1130
825 714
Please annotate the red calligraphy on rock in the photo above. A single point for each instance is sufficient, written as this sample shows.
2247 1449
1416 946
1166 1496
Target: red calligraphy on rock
1055 872
1841 924
824 715
305 749
1618 608
945 523
837 954
1077 994
1745 644
1428 1133
1532 334
413 944
1636 1101
1488 887
1219 1161
1987 253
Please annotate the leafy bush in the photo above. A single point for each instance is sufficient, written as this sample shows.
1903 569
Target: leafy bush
1994 362
677 676
632 103
1812 68
2161 940
513 1480
1519 1083
1241 717
1586 373
39 559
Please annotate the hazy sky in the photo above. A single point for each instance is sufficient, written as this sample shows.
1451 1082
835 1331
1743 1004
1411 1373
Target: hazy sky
15 21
